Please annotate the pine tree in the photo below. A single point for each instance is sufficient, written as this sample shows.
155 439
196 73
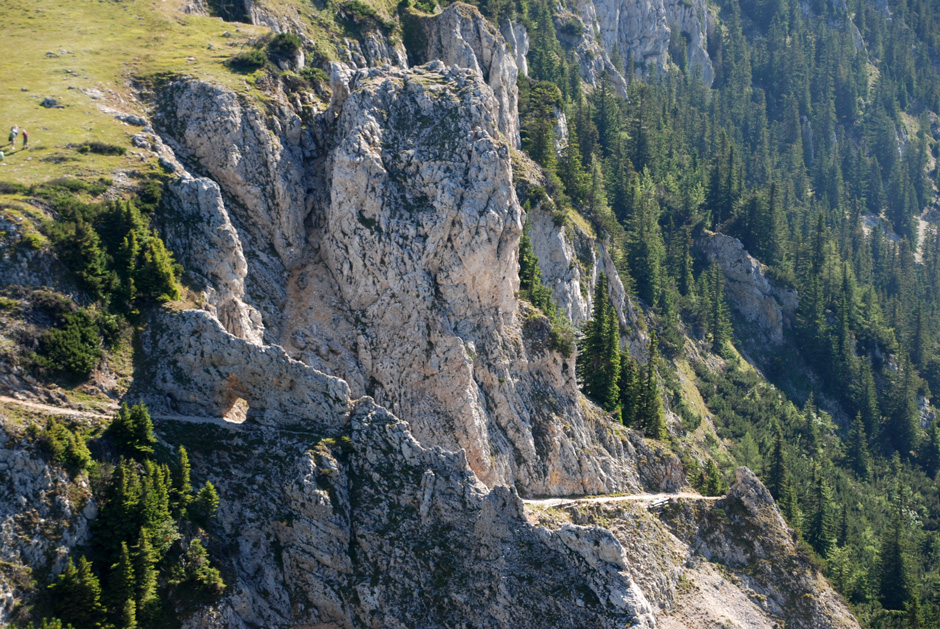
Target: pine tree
205 579
930 449
894 566
205 505
132 429
76 595
820 529
155 495
121 588
714 485
599 363
718 321
650 415
629 384
120 516
145 561
182 486
858 456
777 472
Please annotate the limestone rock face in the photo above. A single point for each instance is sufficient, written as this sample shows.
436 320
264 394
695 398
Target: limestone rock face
195 367
199 228
753 534
421 237
751 294
42 516
517 37
641 30
593 58
332 520
461 36
261 168
571 263
394 268
705 563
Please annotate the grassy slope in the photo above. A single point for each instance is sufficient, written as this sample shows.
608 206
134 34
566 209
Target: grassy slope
104 45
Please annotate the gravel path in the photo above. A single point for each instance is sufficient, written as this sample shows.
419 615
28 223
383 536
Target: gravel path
558 502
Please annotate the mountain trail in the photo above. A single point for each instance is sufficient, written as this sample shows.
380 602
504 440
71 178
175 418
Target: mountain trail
560 502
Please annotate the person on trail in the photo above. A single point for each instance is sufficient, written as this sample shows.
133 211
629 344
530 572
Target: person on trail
2 156
12 136
25 138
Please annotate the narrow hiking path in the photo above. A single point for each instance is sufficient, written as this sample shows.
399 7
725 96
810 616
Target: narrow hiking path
558 502
74 412
52 410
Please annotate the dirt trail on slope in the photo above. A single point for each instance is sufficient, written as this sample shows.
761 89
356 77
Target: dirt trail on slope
47 408
558 502
74 412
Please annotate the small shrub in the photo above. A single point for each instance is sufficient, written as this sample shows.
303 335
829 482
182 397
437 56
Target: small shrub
101 148
561 338
64 446
110 327
572 28
361 15
73 349
317 76
31 240
7 187
284 45
248 61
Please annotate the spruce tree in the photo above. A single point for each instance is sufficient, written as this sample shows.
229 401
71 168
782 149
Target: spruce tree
820 527
650 415
777 472
719 323
858 456
205 505
599 360
121 589
132 429
145 571
76 595
714 485
182 486
629 384
894 571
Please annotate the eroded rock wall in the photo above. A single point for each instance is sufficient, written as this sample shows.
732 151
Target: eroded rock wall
752 295
395 230
375 530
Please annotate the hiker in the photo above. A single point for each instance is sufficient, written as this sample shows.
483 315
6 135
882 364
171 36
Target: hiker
2 156
25 138
13 132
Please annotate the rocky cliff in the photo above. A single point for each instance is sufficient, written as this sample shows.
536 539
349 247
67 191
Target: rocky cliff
394 268
353 370
752 295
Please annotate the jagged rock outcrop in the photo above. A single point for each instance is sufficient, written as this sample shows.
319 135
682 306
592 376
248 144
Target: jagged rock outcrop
197 226
751 535
400 272
571 263
43 515
373 50
194 367
460 36
593 59
261 168
517 37
751 294
641 30
331 520
704 563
